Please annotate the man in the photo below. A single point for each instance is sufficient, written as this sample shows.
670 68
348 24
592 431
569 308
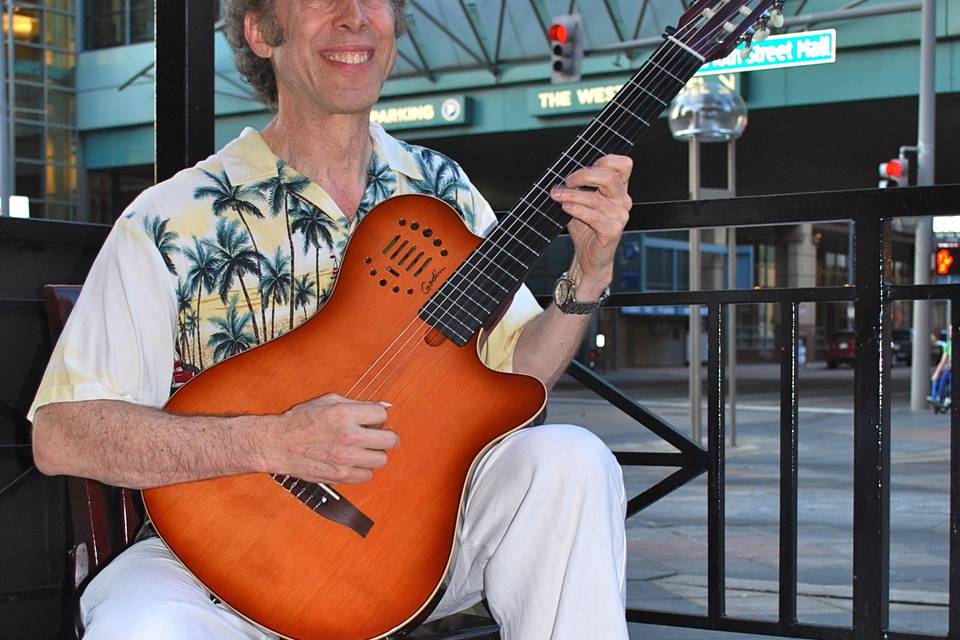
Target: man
234 252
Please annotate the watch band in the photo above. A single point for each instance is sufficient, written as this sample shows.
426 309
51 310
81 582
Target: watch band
570 305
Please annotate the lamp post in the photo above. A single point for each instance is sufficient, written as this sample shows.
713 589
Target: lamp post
708 110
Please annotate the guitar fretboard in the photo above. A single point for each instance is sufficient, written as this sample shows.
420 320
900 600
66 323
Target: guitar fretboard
494 271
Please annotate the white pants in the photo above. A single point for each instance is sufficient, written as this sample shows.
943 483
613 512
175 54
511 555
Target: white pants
542 538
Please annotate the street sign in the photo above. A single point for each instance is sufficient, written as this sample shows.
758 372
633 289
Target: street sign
427 112
776 52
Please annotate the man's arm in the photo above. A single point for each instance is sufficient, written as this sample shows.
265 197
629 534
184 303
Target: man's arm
330 439
599 214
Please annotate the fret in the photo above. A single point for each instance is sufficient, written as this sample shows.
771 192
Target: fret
576 161
526 246
648 92
682 83
541 212
446 328
590 144
523 222
616 104
562 177
613 131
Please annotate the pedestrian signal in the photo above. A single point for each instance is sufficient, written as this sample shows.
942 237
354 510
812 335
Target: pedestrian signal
945 260
566 48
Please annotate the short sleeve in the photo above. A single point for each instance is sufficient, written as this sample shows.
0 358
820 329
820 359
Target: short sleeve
119 342
497 351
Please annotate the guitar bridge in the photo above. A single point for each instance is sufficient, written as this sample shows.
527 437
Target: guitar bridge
326 503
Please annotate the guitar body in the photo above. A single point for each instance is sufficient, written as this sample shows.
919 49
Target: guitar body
262 550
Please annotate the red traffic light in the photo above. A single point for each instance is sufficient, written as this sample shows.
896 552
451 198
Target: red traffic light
558 33
894 169
944 261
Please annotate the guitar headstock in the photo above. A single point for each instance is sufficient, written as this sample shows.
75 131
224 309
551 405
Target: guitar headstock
714 28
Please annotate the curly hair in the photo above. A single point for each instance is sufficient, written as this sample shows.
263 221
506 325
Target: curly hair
259 71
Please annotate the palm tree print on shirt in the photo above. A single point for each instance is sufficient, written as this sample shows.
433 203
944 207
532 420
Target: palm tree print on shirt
231 336
278 191
162 239
303 293
184 308
443 179
275 285
235 259
229 197
315 227
381 184
202 275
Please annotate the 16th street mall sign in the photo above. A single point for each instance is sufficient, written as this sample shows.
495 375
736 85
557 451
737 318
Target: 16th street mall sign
776 52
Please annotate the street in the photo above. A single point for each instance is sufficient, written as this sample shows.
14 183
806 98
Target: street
667 542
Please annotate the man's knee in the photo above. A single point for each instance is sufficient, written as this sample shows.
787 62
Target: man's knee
143 621
565 454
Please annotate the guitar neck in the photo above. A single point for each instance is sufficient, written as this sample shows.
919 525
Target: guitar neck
494 271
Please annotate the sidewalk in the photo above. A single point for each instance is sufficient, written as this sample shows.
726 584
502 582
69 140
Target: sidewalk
667 542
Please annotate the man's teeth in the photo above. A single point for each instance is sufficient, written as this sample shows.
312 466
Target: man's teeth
349 58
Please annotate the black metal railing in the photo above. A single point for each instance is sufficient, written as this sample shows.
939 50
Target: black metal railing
872 296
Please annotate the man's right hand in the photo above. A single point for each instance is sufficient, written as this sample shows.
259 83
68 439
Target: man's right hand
331 439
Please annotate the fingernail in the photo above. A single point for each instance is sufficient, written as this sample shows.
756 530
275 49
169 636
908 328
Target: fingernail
386 404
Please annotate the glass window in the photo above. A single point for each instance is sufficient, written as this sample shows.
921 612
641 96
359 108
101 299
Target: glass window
29 141
60 30
29 181
60 67
659 265
26 24
61 106
58 211
29 101
106 23
68 6
61 146
28 63
141 21
61 183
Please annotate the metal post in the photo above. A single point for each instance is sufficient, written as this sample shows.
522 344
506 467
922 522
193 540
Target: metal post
4 147
732 284
184 84
923 244
695 284
871 432
10 146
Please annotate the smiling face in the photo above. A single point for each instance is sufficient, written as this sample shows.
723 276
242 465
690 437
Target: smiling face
335 54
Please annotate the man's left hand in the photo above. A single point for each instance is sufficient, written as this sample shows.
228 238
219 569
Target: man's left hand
599 215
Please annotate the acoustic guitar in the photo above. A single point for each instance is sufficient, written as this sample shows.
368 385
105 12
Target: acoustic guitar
351 562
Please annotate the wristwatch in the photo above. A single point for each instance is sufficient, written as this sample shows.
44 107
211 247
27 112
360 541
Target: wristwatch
564 296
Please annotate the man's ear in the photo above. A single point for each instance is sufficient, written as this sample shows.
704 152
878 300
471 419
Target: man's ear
254 36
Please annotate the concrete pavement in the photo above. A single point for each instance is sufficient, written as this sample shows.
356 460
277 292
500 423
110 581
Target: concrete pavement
667 542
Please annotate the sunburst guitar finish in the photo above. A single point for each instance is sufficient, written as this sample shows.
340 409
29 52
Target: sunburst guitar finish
269 555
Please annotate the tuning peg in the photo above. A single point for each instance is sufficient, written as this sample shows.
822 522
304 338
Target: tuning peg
762 29
747 41
776 14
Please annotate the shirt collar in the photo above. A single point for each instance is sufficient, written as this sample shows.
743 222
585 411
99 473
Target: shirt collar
248 159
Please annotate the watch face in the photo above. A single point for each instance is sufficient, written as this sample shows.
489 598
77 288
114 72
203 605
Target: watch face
561 292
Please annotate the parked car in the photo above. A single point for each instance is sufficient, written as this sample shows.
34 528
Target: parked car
901 346
840 349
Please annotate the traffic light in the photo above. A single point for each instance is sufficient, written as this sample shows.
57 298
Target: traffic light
946 261
895 173
566 48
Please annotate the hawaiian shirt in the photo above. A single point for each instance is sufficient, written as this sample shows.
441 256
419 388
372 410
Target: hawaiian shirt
229 254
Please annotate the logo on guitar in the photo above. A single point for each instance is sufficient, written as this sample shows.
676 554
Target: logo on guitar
427 287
